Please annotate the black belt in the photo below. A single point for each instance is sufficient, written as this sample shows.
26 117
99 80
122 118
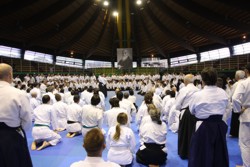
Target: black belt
154 145
4 126
71 122
184 108
211 118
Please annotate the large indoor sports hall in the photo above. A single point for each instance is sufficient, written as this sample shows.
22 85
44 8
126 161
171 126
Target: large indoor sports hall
130 83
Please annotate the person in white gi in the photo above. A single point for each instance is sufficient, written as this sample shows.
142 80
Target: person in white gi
74 118
187 121
94 144
241 104
34 102
110 116
173 119
50 89
208 146
120 141
143 109
153 137
91 115
129 103
168 106
41 132
60 108
15 117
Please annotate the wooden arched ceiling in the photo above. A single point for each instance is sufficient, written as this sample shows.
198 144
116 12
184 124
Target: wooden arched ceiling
165 28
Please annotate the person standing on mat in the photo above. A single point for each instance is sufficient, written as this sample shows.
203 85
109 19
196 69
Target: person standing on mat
187 121
241 104
208 145
235 123
15 117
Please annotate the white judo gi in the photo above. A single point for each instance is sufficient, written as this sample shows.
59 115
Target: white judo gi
240 99
44 118
121 151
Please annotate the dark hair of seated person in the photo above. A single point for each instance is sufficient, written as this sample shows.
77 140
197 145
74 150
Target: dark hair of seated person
58 97
114 102
95 100
45 99
94 143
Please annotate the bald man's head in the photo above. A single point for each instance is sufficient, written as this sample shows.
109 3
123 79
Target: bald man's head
189 78
5 72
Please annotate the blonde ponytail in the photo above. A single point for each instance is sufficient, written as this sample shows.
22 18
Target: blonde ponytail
117 134
122 119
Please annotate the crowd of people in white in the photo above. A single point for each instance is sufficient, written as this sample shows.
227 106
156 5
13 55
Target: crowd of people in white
75 103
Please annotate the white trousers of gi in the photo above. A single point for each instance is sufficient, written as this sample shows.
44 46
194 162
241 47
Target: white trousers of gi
43 133
244 142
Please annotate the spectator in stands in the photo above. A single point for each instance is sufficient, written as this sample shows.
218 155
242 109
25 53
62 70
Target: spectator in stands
94 144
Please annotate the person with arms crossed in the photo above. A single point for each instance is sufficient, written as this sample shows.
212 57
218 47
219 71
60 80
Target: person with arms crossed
15 115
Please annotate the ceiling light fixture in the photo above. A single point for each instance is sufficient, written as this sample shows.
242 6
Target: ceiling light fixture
138 2
105 3
115 13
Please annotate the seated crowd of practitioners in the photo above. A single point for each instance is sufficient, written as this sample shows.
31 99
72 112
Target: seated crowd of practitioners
176 102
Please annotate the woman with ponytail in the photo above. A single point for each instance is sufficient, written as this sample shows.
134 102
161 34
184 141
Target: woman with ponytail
153 133
121 142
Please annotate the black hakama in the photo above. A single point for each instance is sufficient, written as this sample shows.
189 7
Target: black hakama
208 146
152 154
186 129
103 89
14 150
234 125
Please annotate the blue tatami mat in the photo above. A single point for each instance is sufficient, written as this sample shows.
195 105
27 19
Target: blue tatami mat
70 149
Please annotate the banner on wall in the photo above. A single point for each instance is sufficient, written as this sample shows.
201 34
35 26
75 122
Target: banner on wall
124 58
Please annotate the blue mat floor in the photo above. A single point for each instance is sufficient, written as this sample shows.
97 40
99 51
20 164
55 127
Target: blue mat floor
70 149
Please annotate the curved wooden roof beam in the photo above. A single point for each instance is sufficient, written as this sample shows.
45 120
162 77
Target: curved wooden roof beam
240 4
211 15
189 26
93 49
152 41
81 33
168 32
14 6
39 17
68 21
